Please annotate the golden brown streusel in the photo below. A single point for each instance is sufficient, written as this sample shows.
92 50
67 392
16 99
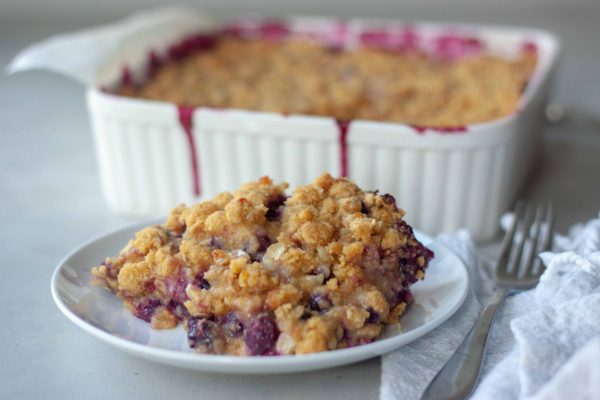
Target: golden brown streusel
255 272
367 83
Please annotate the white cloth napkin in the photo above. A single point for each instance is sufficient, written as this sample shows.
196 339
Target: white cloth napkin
545 343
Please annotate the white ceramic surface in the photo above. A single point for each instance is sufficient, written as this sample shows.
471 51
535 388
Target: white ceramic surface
101 314
443 181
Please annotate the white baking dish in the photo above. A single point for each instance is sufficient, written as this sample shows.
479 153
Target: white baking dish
444 181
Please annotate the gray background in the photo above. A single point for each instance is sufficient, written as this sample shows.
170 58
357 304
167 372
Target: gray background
51 201
56 10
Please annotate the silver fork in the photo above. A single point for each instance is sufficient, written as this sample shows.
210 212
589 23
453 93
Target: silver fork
458 376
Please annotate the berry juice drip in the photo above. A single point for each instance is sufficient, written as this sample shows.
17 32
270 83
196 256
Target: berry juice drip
186 120
126 76
343 127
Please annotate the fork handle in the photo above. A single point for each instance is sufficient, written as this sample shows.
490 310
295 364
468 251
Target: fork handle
458 376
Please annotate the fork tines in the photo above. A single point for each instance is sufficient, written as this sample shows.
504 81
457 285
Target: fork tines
529 234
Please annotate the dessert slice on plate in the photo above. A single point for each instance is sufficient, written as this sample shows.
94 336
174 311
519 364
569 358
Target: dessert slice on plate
257 272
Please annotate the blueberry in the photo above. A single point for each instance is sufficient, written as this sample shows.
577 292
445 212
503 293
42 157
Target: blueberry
274 207
232 325
319 302
404 296
260 337
363 208
373 317
200 332
264 241
202 283
410 254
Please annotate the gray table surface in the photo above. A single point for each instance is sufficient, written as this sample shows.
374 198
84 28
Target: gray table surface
51 202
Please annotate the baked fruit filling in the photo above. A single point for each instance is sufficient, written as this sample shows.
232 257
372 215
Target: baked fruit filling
255 272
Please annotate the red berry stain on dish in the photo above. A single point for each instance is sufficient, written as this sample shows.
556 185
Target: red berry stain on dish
407 40
273 30
126 76
190 44
400 41
154 62
186 116
529 47
454 47
343 127
375 38
336 39
439 129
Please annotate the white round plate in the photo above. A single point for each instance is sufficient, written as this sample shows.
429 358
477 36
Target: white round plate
101 314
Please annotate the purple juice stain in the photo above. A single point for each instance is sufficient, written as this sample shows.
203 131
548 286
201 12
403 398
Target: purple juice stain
145 308
176 287
264 241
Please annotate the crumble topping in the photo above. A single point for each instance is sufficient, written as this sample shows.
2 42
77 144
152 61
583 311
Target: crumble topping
255 272
367 83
